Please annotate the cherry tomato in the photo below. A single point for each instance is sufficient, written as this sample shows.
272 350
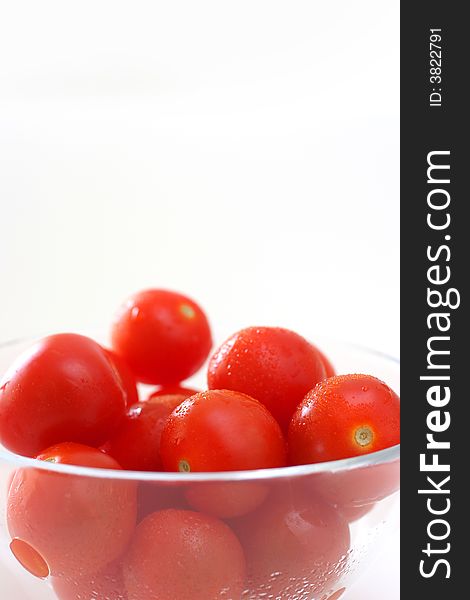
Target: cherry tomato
276 366
221 430
293 543
107 584
344 416
136 445
63 389
163 336
173 390
76 524
228 499
70 453
128 381
182 555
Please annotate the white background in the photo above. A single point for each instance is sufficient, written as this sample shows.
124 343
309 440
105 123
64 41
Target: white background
244 152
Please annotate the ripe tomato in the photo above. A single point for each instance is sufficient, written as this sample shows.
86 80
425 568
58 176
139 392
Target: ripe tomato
163 336
77 524
70 453
344 416
228 499
63 389
136 445
128 381
221 430
179 554
276 366
293 543
107 584
173 390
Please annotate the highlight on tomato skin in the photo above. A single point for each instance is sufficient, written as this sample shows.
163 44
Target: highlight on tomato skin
165 560
128 381
342 417
274 365
162 335
77 524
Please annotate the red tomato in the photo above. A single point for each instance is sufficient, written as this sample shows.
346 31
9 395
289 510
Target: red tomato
344 416
128 381
228 499
63 389
173 390
276 366
77 524
105 585
221 430
293 543
136 445
163 336
69 453
182 555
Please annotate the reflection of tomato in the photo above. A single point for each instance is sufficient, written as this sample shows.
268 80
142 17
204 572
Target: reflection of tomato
163 336
136 445
221 430
105 585
78 524
226 499
292 542
64 389
183 554
173 390
344 416
274 365
128 380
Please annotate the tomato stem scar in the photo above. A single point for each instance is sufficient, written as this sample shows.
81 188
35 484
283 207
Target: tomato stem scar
364 436
184 466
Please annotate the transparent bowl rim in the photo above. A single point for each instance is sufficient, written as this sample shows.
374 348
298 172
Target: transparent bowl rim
387 455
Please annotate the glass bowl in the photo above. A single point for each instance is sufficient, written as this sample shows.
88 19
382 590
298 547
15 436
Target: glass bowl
302 533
